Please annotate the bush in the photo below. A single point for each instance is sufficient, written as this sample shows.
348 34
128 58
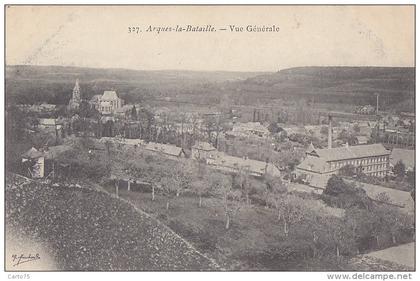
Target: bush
340 194
347 171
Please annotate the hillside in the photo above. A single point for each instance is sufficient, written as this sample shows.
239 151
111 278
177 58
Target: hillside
83 229
331 85
351 85
54 84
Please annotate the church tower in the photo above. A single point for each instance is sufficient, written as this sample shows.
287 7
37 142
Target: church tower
75 100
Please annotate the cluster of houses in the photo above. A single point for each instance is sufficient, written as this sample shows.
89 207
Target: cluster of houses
45 108
317 166
204 151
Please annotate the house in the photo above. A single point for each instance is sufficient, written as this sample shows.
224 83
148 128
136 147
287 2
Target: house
37 163
33 162
124 111
51 152
203 150
320 164
49 124
227 163
407 156
362 139
294 130
41 108
365 109
172 151
251 129
95 101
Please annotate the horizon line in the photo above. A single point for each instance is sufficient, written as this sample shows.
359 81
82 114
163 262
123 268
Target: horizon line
192 70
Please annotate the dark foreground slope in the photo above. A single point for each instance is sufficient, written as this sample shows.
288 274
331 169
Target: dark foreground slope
89 230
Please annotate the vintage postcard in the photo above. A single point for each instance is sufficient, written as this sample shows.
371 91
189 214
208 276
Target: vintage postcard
210 138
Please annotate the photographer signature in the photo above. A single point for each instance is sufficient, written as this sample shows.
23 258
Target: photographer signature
17 260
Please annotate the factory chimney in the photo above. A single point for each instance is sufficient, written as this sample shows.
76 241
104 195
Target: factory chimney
329 131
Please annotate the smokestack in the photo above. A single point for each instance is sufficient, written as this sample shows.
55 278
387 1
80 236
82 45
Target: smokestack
329 131
377 104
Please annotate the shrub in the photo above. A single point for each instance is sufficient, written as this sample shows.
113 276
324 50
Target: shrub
340 194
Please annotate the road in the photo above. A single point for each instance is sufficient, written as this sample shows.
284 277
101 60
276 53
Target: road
402 254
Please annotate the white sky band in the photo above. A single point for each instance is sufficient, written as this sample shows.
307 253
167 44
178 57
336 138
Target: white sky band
97 36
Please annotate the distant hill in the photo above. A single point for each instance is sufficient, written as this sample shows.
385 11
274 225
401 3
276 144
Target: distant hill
334 85
54 84
352 85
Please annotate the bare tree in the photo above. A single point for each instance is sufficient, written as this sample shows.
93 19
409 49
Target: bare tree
276 191
231 198
245 182
291 211
201 182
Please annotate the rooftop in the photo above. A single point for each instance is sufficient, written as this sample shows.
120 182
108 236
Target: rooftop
110 95
204 146
255 167
47 121
32 153
254 126
351 152
164 148
313 164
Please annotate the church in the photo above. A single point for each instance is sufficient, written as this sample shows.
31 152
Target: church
107 103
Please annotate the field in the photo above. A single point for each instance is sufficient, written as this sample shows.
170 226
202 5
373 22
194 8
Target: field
255 240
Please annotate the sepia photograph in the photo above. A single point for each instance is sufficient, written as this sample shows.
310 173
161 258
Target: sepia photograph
209 138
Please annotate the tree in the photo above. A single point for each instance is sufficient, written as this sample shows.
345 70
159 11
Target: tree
231 199
108 146
340 234
347 170
169 186
274 128
399 169
243 179
200 187
15 124
341 194
201 184
291 210
276 190
324 130
365 225
134 113
393 221
356 128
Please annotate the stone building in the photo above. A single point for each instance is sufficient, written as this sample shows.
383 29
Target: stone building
108 103
320 164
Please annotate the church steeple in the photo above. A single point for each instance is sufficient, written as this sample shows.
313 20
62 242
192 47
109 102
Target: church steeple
76 92
76 99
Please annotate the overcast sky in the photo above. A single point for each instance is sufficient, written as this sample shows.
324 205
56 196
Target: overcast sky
96 36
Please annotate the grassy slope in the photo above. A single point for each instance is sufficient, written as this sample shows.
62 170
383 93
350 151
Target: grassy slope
90 230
